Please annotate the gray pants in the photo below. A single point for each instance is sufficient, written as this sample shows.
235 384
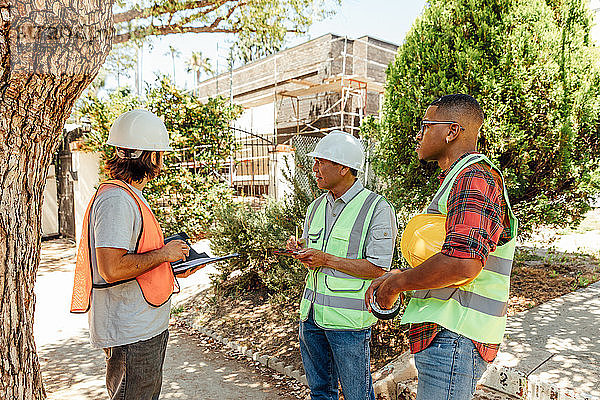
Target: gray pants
134 371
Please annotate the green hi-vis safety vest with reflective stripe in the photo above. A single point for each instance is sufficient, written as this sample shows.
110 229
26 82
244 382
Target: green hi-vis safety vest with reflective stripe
338 299
476 310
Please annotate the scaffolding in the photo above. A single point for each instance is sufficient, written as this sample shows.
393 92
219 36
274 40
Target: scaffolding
347 111
352 91
309 100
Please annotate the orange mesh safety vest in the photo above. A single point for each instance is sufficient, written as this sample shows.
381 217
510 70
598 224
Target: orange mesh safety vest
156 285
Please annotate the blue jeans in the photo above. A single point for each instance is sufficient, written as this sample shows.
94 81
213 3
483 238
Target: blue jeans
134 371
449 368
332 355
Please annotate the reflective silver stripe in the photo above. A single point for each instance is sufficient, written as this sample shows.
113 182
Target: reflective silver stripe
308 294
499 265
335 301
315 207
466 299
336 274
357 229
434 205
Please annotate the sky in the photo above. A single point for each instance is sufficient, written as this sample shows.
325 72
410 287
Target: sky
388 20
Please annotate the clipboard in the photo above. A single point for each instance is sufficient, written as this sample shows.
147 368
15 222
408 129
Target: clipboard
194 259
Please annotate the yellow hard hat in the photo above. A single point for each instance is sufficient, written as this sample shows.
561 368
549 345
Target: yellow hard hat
423 237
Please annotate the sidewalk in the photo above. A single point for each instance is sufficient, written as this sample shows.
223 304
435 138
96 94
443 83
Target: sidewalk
555 346
551 352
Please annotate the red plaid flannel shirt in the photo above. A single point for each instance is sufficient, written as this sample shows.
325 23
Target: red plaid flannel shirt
476 223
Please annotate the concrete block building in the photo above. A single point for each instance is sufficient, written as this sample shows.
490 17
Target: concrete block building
296 96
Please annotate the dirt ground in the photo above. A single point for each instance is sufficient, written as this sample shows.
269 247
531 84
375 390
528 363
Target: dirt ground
547 266
537 279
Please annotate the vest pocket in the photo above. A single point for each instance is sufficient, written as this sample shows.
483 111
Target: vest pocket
343 284
338 244
313 238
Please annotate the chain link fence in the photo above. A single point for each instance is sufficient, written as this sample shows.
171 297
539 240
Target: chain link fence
303 173
251 168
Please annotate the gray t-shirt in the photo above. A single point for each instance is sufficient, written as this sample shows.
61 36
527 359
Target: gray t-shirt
119 314
381 238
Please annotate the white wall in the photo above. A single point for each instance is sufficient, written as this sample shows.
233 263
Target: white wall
87 167
281 187
50 205
594 6
259 120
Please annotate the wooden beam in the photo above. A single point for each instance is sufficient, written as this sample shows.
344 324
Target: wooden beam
303 82
325 87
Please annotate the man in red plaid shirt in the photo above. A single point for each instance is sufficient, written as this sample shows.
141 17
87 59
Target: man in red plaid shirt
458 312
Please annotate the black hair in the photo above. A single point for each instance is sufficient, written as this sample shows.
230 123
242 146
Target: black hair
459 104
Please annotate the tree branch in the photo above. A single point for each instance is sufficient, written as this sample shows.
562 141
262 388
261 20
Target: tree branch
169 29
176 28
160 9
181 28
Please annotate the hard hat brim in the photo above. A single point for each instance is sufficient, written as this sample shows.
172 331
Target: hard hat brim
317 155
144 148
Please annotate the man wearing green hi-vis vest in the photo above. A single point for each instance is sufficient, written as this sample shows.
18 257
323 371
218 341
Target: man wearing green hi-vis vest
349 234
458 310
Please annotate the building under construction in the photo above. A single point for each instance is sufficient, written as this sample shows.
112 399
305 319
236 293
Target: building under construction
296 96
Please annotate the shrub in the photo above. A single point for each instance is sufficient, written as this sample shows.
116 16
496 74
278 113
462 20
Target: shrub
254 234
533 69
186 193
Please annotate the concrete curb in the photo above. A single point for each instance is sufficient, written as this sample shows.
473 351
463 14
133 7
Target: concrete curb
518 385
398 379
264 359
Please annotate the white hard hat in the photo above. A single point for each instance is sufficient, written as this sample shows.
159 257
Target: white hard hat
341 148
139 130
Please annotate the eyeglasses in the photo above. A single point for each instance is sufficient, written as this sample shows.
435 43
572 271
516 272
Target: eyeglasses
426 122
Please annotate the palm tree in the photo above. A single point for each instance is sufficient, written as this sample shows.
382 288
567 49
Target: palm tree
174 53
198 64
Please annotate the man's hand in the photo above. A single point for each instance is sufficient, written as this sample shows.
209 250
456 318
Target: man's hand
175 250
387 290
294 243
312 258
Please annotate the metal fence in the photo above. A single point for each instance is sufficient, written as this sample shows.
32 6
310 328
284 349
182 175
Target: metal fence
252 165
305 144
303 169
252 168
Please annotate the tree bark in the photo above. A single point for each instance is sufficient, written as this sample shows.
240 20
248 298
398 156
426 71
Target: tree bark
50 50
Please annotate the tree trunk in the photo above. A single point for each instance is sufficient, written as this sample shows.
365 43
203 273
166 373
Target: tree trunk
50 50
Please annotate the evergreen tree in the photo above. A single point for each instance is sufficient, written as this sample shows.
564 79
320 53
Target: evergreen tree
532 67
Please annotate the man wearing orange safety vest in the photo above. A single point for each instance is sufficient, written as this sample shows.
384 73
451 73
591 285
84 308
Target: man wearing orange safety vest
123 276
458 310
